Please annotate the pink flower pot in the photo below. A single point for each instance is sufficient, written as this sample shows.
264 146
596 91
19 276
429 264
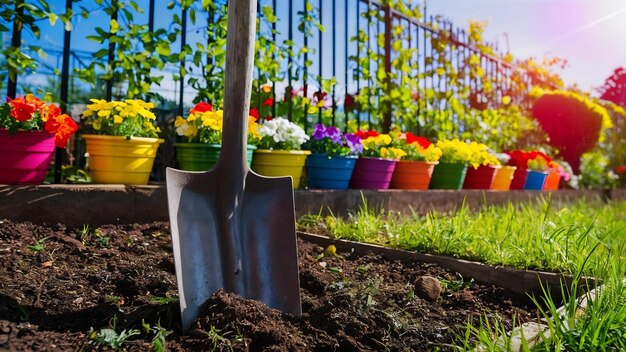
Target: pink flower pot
25 156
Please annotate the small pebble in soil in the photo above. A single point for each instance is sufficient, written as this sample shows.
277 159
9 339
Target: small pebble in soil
428 288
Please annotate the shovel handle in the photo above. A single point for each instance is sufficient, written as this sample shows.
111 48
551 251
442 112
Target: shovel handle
238 83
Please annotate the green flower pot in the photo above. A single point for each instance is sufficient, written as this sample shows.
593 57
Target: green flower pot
448 176
202 157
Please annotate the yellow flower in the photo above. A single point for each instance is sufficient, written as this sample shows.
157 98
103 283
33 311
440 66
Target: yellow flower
179 121
213 120
506 100
266 88
253 128
104 113
118 119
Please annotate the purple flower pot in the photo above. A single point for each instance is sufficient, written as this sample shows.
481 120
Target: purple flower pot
372 173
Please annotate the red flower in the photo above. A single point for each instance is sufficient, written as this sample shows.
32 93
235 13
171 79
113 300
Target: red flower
254 112
365 134
21 109
201 107
63 128
621 169
268 102
411 138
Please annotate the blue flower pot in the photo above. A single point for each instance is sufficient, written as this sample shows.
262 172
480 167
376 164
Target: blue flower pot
329 173
535 180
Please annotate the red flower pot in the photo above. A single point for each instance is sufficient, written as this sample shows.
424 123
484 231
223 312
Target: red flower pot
480 178
519 179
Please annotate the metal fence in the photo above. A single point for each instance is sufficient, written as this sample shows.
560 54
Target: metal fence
335 52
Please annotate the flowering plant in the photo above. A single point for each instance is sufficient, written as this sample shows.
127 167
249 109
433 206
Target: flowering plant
31 114
416 148
481 155
331 141
454 151
379 145
203 125
534 160
281 134
129 118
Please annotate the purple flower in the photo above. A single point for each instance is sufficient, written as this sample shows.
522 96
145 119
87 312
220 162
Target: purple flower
334 134
354 143
320 132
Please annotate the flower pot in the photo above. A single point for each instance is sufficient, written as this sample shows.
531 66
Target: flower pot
25 156
503 178
412 174
268 162
114 159
481 177
535 180
552 181
519 179
448 176
372 173
329 172
202 157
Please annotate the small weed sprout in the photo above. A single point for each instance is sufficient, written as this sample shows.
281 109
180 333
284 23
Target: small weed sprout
218 340
110 337
85 234
39 245
160 334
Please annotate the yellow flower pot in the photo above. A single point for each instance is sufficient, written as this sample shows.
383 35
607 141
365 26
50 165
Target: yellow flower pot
280 163
114 159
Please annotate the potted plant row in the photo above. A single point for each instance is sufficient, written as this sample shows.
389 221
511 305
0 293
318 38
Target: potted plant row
122 141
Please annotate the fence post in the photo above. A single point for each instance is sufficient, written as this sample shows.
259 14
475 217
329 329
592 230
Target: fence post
16 42
183 43
386 123
65 80
111 57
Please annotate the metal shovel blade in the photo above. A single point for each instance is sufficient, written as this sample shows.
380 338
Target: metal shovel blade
232 228
263 266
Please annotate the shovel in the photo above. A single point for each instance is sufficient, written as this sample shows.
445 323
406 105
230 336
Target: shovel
231 228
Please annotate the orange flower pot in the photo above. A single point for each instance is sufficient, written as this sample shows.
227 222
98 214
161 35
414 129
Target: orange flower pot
412 174
552 181
504 176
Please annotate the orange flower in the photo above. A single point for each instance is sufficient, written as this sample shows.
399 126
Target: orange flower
38 104
53 111
63 128
21 109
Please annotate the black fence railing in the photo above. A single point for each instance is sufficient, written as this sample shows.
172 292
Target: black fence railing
374 52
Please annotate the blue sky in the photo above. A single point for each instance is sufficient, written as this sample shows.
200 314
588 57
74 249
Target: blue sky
590 34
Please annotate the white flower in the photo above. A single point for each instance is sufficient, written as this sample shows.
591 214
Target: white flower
283 130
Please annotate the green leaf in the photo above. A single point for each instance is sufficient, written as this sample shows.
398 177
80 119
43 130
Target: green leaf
52 17
163 49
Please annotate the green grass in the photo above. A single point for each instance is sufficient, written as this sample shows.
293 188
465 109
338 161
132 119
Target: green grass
538 235
581 239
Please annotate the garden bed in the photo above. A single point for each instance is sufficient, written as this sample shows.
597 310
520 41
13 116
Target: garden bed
61 289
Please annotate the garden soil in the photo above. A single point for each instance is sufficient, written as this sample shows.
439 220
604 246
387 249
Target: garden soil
64 289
